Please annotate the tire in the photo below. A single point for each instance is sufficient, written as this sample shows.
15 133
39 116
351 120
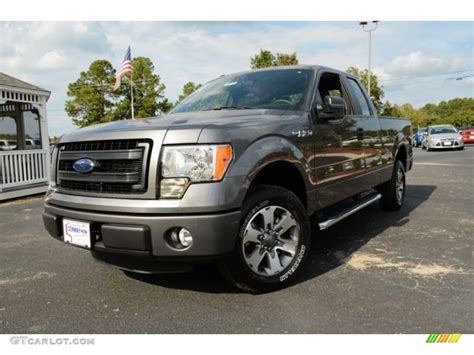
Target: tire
267 261
393 191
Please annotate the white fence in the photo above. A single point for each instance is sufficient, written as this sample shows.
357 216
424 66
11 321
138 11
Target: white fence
22 168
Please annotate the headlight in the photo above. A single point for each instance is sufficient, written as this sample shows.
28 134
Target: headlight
182 165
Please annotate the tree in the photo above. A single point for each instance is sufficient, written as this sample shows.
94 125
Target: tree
376 91
459 112
391 110
92 98
188 89
286 59
94 101
266 59
148 92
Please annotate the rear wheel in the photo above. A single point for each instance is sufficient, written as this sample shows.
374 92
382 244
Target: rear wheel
393 191
274 239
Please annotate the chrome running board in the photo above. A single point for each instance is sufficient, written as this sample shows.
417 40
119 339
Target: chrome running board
333 220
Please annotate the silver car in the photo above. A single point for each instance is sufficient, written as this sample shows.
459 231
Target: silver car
442 137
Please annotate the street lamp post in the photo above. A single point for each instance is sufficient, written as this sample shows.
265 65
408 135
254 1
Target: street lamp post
365 28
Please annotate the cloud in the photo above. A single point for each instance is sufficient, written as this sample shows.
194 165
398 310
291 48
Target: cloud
419 63
51 60
51 54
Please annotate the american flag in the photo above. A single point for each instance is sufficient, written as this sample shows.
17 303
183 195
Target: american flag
125 69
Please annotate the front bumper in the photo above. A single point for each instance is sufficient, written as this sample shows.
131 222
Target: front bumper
440 145
137 242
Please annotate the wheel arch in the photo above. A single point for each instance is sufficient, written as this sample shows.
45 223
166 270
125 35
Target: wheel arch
275 161
402 155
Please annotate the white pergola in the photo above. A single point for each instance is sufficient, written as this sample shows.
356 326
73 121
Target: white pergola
24 139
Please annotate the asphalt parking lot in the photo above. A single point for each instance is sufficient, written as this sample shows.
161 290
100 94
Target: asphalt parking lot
409 271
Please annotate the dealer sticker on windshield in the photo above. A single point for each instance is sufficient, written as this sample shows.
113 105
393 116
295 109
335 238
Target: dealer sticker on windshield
77 233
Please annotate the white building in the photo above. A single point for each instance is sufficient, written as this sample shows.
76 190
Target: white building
24 140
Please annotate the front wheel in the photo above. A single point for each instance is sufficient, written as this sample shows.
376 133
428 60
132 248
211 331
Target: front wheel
393 191
273 241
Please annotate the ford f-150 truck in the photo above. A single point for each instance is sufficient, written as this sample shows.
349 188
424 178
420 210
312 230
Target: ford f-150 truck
239 173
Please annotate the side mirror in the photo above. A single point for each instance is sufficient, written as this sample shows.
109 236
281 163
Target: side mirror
333 108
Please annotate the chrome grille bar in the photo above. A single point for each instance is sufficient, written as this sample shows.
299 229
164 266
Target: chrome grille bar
104 155
101 177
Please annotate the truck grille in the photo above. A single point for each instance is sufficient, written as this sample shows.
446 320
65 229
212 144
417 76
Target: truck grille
120 166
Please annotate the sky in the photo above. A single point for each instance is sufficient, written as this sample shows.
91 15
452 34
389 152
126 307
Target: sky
417 62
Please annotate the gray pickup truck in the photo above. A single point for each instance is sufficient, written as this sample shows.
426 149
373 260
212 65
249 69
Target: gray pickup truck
240 174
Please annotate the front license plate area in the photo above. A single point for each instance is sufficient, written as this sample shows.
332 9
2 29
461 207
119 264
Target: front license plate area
77 233
446 143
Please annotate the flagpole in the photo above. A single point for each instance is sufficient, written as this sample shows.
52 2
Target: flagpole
131 96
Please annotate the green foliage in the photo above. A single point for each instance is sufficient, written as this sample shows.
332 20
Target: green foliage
458 112
391 110
94 101
188 89
148 92
266 59
286 59
376 90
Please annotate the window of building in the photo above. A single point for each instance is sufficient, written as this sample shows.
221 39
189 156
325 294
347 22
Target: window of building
8 127
31 121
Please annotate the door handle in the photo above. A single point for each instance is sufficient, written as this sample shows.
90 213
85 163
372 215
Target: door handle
360 134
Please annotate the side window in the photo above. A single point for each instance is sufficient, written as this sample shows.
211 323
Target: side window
330 85
361 101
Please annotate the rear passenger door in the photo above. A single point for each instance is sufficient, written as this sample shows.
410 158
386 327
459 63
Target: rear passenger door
368 126
339 158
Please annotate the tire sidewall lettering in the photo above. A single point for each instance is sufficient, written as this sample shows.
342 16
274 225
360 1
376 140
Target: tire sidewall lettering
295 265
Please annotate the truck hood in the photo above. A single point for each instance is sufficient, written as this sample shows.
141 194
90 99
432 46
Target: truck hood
181 128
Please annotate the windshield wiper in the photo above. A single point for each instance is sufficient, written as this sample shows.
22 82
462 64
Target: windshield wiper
229 108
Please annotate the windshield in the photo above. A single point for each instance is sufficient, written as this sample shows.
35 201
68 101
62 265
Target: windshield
421 130
283 89
443 129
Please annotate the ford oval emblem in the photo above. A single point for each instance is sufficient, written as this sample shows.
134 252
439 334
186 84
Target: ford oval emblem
83 166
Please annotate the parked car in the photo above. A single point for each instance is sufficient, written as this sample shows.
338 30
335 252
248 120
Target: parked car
442 137
467 135
418 137
32 143
5 145
237 174
13 144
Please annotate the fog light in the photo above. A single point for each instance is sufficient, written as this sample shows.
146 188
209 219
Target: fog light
179 238
185 238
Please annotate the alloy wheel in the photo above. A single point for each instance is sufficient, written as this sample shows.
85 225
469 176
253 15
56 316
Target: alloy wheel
270 240
400 185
